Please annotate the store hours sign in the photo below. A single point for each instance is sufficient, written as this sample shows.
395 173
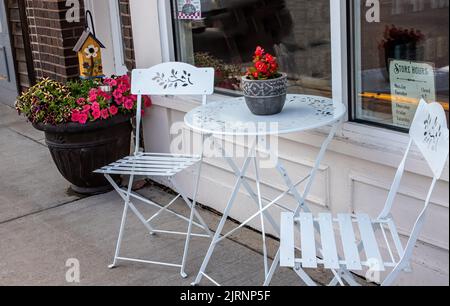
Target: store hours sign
410 82
189 9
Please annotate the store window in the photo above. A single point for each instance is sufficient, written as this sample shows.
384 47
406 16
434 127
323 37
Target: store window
400 54
226 34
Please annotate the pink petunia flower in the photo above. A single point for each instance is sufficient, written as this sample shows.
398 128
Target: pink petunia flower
96 114
128 104
119 101
95 106
123 88
113 110
81 101
86 108
104 113
83 118
93 95
147 101
117 94
75 116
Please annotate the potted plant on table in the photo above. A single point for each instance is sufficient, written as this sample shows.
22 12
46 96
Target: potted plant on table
264 86
86 123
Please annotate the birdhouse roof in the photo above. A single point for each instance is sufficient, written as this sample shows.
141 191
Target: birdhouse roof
86 34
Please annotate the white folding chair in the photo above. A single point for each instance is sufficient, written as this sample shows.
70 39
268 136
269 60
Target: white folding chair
161 80
430 133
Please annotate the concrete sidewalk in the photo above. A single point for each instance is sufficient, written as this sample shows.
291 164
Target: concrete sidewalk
43 224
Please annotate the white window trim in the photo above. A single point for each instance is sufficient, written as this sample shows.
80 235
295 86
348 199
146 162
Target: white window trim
367 137
116 28
116 33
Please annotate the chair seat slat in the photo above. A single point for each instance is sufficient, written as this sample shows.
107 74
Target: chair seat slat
352 258
150 166
370 243
140 173
287 247
330 256
150 162
160 159
308 242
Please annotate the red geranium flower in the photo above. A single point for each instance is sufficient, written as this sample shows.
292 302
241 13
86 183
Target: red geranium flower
265 66
259 51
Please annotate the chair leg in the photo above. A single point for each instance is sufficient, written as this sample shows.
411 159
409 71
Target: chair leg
273 268
389 280
124 217
119 239
340 276
348 277
305 277
191 219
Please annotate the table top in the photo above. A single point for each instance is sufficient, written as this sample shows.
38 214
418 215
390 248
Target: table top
232 117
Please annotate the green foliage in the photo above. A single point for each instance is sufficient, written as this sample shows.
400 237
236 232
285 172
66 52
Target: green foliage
48 101
81 88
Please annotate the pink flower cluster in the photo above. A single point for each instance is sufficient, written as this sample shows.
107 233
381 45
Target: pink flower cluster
122 92
102 105
92 111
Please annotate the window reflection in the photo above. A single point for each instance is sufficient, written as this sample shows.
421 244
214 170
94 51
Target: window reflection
296 31
410 33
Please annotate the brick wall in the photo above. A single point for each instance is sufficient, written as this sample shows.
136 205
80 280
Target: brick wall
127 34
53 38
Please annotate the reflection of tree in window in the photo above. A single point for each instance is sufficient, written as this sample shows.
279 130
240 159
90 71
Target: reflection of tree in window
297 32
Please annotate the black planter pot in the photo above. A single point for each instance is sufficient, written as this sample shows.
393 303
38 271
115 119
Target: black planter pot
77 150
265 97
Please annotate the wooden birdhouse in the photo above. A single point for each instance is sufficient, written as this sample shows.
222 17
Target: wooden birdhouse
89 50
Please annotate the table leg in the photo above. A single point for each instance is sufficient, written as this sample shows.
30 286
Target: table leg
260 204
249 189
226 212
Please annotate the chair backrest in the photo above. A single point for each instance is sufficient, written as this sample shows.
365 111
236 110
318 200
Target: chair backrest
430 134
172 78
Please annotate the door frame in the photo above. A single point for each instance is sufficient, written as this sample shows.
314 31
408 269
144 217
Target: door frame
27 45
115 30
13 75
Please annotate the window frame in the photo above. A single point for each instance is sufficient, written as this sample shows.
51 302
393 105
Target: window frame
352 58
375 141
339 45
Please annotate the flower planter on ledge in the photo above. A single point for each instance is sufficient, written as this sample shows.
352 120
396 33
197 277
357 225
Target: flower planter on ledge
77 150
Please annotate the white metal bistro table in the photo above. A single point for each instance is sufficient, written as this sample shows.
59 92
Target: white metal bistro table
231 117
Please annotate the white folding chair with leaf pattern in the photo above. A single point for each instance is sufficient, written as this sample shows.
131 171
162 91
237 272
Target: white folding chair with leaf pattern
164 79
430 133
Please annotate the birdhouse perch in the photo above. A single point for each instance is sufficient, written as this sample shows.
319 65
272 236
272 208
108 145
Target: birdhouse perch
89 50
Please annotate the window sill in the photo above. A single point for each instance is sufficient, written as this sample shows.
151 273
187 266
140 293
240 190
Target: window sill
373 144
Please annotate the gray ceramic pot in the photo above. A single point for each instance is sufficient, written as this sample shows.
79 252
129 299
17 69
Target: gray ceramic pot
265 97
